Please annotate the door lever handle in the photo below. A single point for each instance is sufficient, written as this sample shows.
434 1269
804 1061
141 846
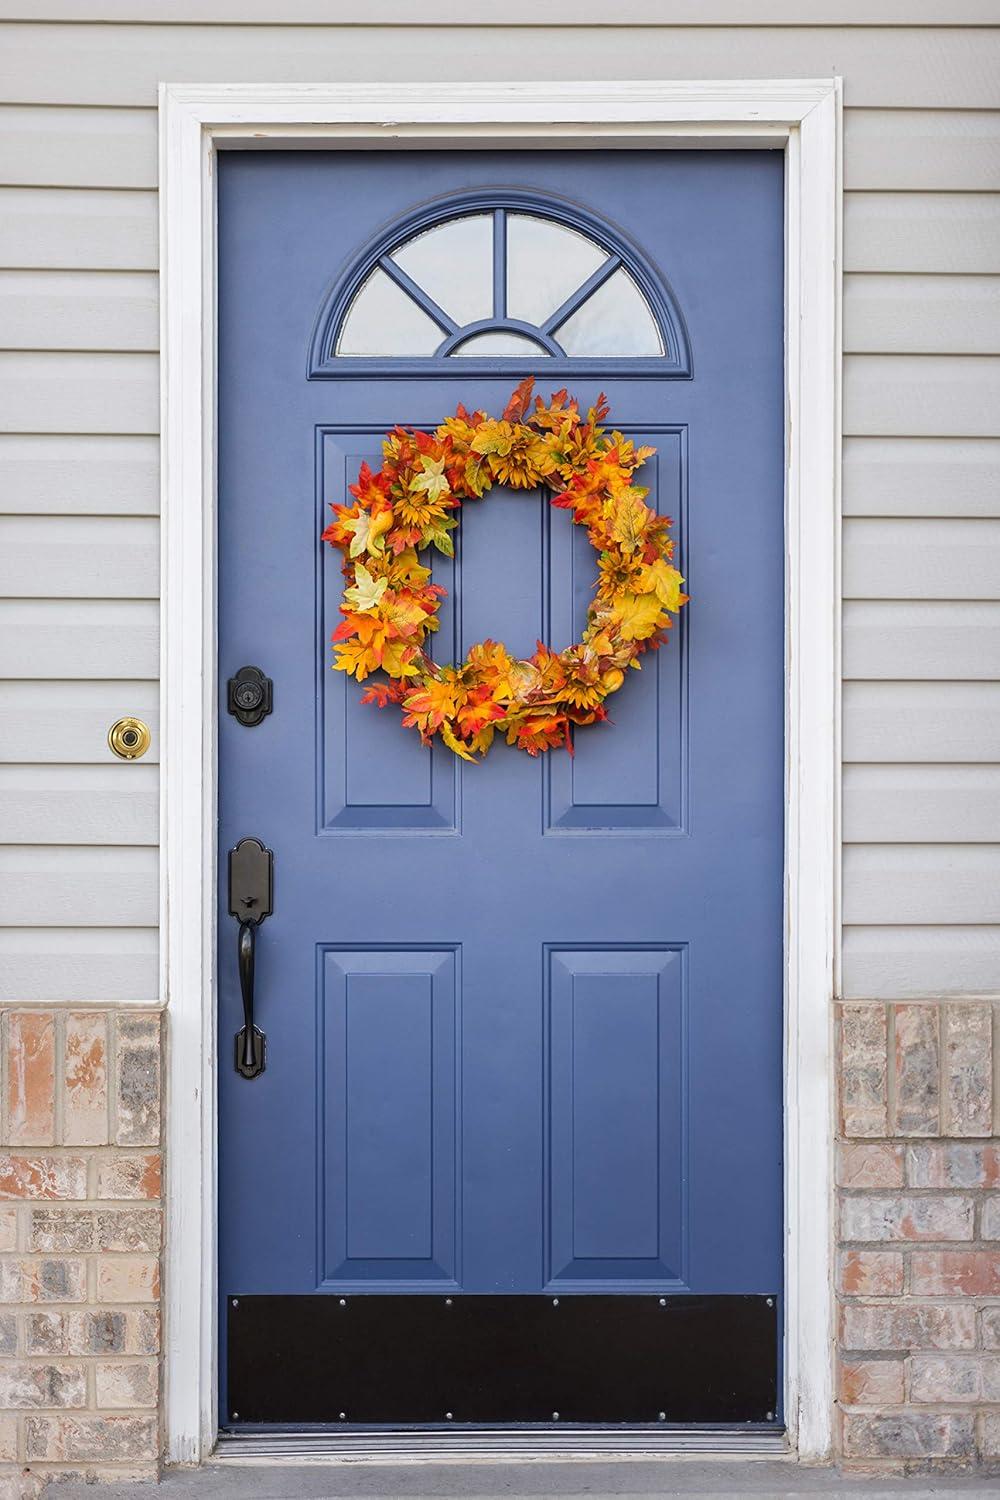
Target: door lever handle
250 893
250 1040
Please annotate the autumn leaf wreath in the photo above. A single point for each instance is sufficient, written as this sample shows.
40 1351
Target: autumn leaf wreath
390 604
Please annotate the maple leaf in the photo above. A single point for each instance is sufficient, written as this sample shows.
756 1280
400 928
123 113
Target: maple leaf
663 580
366 591
357 659
404 614
541 732
436 535
638 615
397 660
520 400
371 489
383 693
433 481
433 702
630 519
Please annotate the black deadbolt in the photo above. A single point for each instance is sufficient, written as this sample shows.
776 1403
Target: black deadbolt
249 696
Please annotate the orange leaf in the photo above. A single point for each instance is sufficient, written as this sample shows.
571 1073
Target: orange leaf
519 401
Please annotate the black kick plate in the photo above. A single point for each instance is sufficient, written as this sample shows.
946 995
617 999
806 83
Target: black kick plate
484 1359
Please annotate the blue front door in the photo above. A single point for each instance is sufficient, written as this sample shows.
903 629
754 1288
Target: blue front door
523 1018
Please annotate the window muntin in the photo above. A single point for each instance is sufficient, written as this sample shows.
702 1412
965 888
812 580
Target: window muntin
499 284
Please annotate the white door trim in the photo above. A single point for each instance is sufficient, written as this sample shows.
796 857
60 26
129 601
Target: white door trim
197 120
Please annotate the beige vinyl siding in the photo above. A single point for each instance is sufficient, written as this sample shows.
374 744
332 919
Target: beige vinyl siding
79 415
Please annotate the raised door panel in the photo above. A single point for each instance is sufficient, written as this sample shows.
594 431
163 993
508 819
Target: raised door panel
616 1117
388 1157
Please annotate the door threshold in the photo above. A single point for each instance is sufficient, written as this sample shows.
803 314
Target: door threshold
495 1442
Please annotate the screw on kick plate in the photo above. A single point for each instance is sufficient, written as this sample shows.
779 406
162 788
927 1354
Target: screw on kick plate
770 1301
236 1416
770 1416
555 1301
343 1416
236 1301
661 1416
663 1301
448 1416
555 1416
343 1301
447 1302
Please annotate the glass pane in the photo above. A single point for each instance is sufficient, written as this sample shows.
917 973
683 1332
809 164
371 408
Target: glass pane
384 320
614 321
545 264
501 343
453 264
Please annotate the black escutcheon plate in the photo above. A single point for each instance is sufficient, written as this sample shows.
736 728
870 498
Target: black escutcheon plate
435 1360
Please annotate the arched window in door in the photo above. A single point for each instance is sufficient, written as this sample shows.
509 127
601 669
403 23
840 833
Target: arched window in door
501 282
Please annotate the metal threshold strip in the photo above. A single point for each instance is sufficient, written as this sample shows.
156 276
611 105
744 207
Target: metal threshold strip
496 1442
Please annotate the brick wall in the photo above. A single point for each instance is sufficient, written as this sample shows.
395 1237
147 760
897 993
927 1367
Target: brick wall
918 1276
918 1273
80 1236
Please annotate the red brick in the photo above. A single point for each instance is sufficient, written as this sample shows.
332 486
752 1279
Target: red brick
967 1043
871 1382
871 1273
43 1177
85 1081
130 1176
916 1063
903 1217
907 1325
952 1164
909 1434
30 1078
870 1165
948 1273
863 1070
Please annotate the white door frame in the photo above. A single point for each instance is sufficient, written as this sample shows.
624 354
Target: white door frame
196 120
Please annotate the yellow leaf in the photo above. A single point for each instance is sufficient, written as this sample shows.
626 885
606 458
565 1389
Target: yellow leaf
454 743
638 615
663 580
395 661
629 519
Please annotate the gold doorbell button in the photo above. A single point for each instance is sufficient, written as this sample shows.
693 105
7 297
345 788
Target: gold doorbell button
129 738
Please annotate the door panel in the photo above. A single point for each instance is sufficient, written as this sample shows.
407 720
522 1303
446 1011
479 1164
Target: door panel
524 1018
616 1149
389 1170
